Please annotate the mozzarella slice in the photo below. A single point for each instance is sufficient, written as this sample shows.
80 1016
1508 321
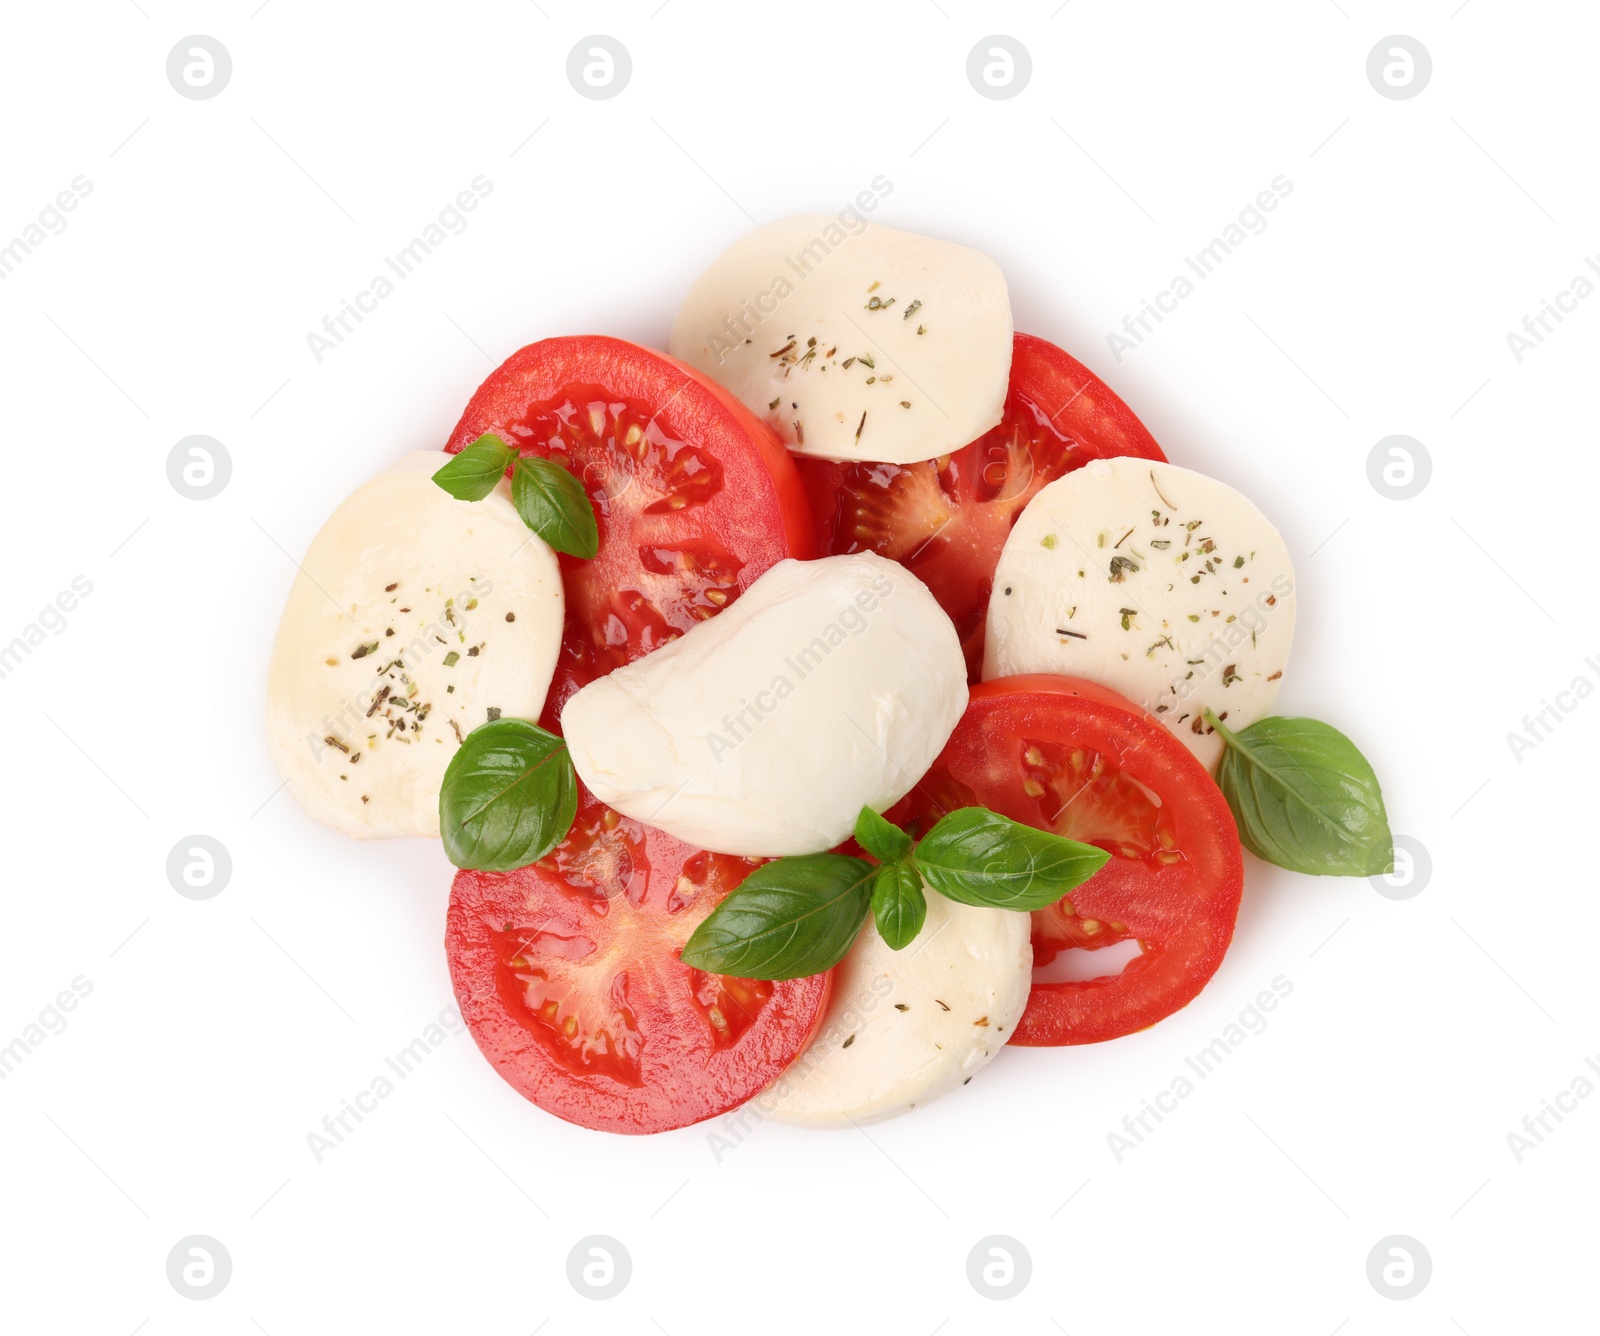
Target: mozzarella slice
829 686
1160 583
906 1026
413 619
867 343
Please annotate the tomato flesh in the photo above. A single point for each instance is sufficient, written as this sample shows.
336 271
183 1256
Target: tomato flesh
567 973
947 519
694 497
1076 759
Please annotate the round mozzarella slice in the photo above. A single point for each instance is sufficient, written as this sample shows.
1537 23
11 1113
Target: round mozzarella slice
829 686
415 618
904 1027
854 342
1158 582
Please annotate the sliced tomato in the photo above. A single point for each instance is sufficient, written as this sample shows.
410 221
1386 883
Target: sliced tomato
1076 759
568 975
695 496
946 519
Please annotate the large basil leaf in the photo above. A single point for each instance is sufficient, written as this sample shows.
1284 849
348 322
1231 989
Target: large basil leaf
477 470
554 505
979 857
1305 798
899 907
786 920
508 798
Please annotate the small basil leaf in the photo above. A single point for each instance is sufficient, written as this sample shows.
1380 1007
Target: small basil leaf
554 505
508 798
979 857
884 840
476 471
1305 798
788 919
899 907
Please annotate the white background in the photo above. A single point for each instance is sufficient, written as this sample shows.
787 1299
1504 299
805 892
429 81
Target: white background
218 1034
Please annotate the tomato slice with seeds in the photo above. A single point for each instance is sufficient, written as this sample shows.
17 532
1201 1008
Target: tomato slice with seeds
567 973
946 519
1078 760
695 496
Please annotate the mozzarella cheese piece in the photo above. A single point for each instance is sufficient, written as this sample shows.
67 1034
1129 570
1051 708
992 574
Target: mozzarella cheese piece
829 686
854 342
1158 582
414 617
906 1026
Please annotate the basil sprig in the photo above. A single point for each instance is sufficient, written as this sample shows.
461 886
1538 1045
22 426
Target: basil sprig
550 500
509 796
1305 798
798 916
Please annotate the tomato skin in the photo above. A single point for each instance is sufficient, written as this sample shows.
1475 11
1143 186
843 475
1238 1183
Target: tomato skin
1083 407
667 558
946 520
509 934
1177 871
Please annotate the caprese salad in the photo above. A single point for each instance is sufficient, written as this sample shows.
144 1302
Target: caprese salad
817 707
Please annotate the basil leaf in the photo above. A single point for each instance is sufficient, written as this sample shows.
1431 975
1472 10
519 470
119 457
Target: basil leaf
508 798
979 857
554 505
884 840
1305 798
899 907
477 470
787 919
